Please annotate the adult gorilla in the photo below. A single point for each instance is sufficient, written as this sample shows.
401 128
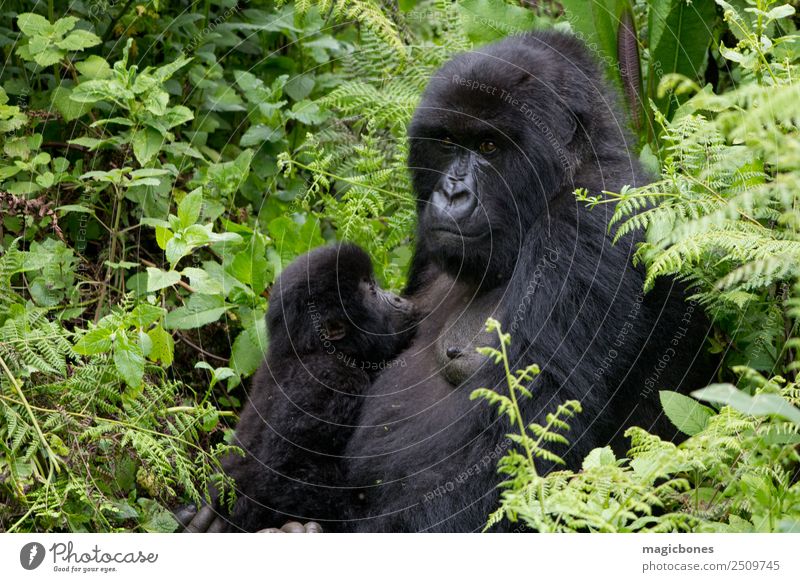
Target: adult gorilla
501 139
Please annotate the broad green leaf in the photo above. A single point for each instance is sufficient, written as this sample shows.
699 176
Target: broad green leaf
758 405
176 116
162 236
176 248
488 20
228 176
249 348
45 180
156 102
145 342
163 346
146 144
165 72
258 134
292 239
680 34
250 265
101 90
69 108
299 87
688 415
199 310
217 374
95 341
87 142
129 360
597 23
63 25
189 208
783 11
158 279
48 56
9 171
94 67
144 315
155 518
308 112
77 40
34 25
202 282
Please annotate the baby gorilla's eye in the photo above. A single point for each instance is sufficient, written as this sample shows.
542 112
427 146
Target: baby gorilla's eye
487 147
446 142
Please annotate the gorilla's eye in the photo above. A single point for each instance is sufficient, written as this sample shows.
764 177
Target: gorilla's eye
447 142
487 147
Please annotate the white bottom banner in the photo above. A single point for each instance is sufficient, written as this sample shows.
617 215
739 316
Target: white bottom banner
233 557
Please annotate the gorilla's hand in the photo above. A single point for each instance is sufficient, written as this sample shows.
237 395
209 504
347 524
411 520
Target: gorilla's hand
207 520
295 527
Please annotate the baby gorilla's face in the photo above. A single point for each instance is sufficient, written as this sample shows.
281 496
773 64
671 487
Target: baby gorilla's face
327 301
393 308
376 322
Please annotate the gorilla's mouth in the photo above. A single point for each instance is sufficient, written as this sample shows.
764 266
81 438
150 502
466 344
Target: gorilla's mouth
453 232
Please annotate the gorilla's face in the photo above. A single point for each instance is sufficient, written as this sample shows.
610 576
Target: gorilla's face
327 301
489 150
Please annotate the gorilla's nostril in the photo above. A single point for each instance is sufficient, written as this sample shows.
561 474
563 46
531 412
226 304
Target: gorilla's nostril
453 352
454 205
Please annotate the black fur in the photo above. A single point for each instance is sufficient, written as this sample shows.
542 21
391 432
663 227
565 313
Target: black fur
424 456
305 397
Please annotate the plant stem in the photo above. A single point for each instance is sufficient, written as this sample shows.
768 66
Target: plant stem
513 394
116 217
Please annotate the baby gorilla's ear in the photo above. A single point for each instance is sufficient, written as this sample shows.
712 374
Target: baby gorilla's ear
334 329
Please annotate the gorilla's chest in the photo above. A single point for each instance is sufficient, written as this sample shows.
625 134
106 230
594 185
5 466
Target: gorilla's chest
443 353
463 332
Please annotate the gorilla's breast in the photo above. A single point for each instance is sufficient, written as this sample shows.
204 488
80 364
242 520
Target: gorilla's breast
422 392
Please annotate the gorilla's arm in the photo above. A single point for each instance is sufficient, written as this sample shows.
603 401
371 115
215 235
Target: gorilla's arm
292 444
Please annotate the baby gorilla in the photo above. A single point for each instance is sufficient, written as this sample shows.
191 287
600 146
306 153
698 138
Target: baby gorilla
331 327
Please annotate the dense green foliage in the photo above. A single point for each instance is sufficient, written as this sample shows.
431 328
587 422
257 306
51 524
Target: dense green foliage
163 161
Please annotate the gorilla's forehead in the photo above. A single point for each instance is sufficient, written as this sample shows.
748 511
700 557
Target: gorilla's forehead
494 87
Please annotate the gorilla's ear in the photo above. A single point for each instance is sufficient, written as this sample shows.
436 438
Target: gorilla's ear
566 124
334 329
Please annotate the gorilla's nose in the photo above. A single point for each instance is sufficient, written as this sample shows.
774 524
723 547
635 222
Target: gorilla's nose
455 199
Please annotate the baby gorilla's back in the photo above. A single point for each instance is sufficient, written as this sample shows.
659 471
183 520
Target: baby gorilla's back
293 431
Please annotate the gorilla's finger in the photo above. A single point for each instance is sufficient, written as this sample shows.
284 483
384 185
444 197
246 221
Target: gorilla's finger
219 526
184 514
313 527
293 527
271 530
202 520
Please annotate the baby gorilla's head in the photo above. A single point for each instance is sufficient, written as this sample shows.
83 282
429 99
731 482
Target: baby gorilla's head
327 301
